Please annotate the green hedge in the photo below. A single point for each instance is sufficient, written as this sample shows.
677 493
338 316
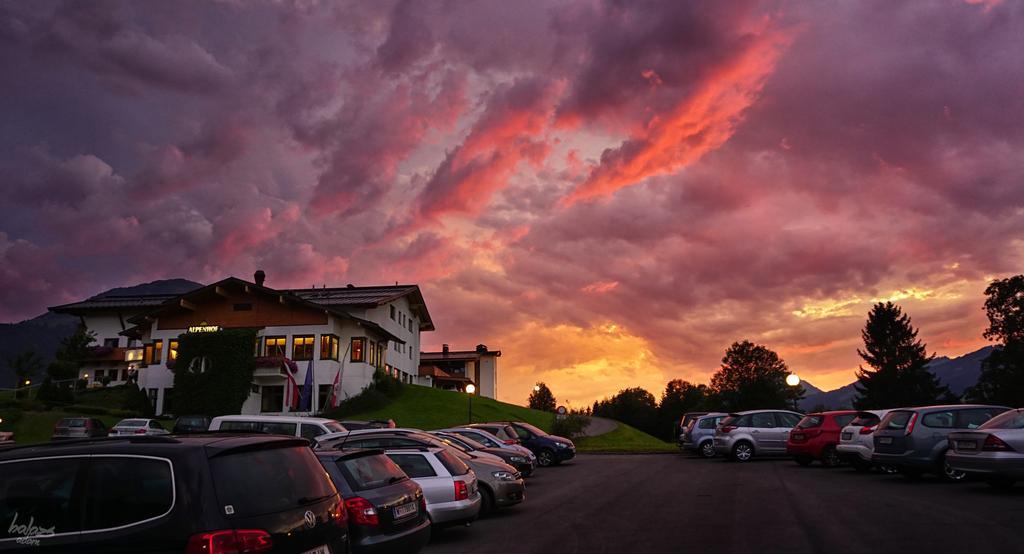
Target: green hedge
225 385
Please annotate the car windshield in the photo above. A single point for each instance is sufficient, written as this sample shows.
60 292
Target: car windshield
1013 419
531 429
810 421
371 472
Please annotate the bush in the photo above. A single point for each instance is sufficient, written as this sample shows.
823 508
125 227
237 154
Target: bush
50 393
374 397
569 426
136 401
87 410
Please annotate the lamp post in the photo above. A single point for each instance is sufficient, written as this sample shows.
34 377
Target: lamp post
794 381
536 388
470 389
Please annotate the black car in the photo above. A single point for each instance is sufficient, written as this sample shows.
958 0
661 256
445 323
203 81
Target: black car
197 494
188 424
387 511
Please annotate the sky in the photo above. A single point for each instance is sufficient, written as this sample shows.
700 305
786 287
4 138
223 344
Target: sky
610 193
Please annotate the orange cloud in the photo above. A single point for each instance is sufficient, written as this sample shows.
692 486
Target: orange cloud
600 287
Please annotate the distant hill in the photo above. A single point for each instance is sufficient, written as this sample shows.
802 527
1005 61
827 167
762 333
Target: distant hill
959 374
43 333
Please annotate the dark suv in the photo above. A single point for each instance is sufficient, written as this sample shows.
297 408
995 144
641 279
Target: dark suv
200 494
386 509
549 449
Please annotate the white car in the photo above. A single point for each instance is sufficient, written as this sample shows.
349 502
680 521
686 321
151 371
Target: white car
297 426
856 441
138 427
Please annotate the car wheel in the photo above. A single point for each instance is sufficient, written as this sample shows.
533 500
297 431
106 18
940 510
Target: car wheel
707 449
830 457
1001 483
950 474
545 458
486 501
742 452
803 460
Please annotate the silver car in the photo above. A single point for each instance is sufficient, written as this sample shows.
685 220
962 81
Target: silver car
994 451
449 485
743 435
138 427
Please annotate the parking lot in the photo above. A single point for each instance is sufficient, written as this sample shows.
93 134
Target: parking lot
675 503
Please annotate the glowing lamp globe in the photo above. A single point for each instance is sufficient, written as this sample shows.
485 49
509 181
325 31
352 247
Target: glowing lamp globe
792 380
471 388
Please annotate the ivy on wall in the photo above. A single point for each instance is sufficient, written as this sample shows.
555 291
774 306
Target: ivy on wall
213 372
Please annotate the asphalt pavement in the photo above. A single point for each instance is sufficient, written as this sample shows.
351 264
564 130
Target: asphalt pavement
638 504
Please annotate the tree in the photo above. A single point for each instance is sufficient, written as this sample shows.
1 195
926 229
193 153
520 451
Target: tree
70 353
753 376
25 366
1002 372
899 373
678 398
634 406
542 399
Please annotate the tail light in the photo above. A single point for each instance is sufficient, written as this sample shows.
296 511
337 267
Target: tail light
338 515
361 511
996 444
867 430
230 541
140 431
910 425
727 428
461 490
510 441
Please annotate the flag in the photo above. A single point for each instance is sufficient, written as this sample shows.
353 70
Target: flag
336 389
291 390
306 400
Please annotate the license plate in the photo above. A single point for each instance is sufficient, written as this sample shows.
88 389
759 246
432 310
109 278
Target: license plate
884 440
798 436
966 445
405 510
319 550
847 436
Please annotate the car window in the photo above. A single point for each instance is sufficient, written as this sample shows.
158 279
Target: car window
708 423
310 431
762 420
810 421
532 430
1013 419
370 472
414 465
843 420
132 423
38 493
277 428
74 423
267 481
454 465
122 491
335 427
939 420
480 438
787 420
976 417
895 420
239 426
398 442
865 419
364 443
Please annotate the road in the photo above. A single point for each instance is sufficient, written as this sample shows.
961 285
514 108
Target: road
638 504
599 426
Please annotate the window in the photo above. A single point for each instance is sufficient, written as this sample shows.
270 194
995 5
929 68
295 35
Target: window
168 405
1013 419
153 424
329 347
242 307
410 325
972 419
122 491
323 394
147 354
275 346
896 420
414 465
110 343
708 422
381 354
272 398
158 351
358 347
371 472
410 353
302 347
172 350
454 465
402 322
286 476
38 491
278 428
392 313
788 420
939 420
844 420
373 353
153 393
810 421
239 426
865 419
99 374
762 420
310 432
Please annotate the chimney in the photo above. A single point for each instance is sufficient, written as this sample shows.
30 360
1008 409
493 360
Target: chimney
259 277
444 349
481 348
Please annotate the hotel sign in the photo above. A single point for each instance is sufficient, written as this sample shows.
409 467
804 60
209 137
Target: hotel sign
204 328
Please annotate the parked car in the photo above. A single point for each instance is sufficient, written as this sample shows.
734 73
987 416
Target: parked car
386 509
191 424
816 437
389 438
699 434
914 440
503 431
138 427
192 494
684 421
79 428
549 449
856 443
492 441
743 435
522 463
994 451
450 487
297 426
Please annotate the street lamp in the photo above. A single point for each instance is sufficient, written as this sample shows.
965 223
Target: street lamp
470 388
536 388
794 381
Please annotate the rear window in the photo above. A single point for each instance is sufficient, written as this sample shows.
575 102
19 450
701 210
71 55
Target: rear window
414 465
895 421
843 420
454 465
38 493
1013 419
810 421
72 423
267 481
708 422
123 491
370 472
133 423
865 419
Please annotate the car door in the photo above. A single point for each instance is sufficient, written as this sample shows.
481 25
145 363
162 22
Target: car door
786 423
763 431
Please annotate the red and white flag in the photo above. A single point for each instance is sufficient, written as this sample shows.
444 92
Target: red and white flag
336 389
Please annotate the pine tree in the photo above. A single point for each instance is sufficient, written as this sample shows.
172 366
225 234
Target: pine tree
1002 372
542 399
899 373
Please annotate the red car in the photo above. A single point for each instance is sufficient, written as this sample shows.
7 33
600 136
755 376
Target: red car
816 437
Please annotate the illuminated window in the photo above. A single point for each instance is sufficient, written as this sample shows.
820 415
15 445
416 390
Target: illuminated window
155 352
329 347
302 347
172 350
381 354
147 354
358 345
275 346
372 353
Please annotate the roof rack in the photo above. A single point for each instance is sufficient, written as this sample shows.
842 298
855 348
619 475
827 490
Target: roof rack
159 439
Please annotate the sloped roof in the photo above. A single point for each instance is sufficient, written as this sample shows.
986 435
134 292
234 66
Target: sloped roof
369 297
115 302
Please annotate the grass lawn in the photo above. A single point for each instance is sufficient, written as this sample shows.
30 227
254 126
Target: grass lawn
624 439
428 408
